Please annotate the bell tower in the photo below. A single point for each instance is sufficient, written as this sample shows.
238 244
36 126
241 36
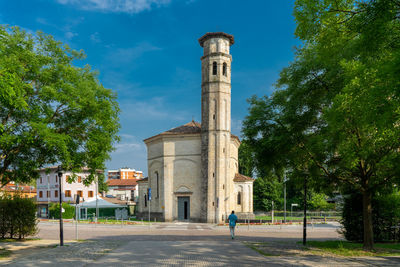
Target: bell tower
215 124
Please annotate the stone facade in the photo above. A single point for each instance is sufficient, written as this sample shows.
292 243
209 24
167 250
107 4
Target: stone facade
192 169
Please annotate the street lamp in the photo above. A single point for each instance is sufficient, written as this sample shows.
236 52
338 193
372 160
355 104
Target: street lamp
291 209
59 172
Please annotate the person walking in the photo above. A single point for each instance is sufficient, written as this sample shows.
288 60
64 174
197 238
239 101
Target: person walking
232 223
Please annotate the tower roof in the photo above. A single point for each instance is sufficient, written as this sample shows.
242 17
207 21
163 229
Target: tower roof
192 127
209 35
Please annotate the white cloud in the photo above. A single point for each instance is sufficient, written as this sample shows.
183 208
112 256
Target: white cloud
153 109
95 37
118 6
70 35
127 55
129 143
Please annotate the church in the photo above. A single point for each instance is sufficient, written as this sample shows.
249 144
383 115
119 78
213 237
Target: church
193 169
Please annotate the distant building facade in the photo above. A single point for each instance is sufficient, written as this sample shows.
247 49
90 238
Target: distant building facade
124 173
47 186
123 189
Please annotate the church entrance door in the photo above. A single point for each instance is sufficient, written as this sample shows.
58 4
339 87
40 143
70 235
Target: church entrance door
183 208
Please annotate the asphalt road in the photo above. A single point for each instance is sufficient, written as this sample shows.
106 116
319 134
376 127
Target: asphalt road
187 232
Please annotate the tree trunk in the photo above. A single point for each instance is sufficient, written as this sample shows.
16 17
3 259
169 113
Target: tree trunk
305 213
367 218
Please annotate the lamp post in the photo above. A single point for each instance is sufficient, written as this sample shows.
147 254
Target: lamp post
291 209
59 172
284 198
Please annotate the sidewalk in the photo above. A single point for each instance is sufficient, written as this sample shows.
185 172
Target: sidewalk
167 253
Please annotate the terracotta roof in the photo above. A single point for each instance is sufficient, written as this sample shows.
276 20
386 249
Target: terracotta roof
21 188
192 127
143 180
121 182
115 200
84 169
242 178
209 35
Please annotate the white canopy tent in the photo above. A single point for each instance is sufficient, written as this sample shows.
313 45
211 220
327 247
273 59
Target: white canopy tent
101 203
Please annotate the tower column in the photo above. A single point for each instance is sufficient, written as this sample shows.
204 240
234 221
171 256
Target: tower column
215 123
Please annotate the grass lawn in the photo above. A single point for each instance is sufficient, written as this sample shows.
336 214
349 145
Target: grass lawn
288 218
7 240
350 249
4 253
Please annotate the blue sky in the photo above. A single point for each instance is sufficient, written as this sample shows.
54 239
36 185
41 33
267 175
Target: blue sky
147 51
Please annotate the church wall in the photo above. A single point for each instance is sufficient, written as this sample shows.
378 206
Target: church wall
183 165
245 208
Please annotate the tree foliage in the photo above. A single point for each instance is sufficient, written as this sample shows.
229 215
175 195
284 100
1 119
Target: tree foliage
336 115
51 112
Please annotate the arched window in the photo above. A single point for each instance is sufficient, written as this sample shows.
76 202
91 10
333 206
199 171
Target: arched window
214 68
145 200
224 70
158 185
239 198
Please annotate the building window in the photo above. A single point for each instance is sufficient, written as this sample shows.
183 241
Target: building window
40 194
48 194
224 69
158 185
79 179
79 192
145 200
90 194
239 198
214 68
56 193
67 193
56 178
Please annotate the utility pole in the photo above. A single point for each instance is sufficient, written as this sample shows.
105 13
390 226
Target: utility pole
305 212
59 172
97 200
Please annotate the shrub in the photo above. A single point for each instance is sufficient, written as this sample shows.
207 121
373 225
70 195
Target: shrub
17 217
54 211
385 214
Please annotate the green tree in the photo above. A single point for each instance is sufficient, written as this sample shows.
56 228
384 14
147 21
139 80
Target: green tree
246 160
265 191
336 117
102 185
51 112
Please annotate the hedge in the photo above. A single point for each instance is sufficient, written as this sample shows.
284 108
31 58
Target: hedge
17 217
54 211
385 217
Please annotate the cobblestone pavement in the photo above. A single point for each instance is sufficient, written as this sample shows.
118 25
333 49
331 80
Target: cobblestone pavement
71 254
183 244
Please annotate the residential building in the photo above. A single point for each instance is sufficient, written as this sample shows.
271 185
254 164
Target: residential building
25 191
125 173
48 188
123 189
